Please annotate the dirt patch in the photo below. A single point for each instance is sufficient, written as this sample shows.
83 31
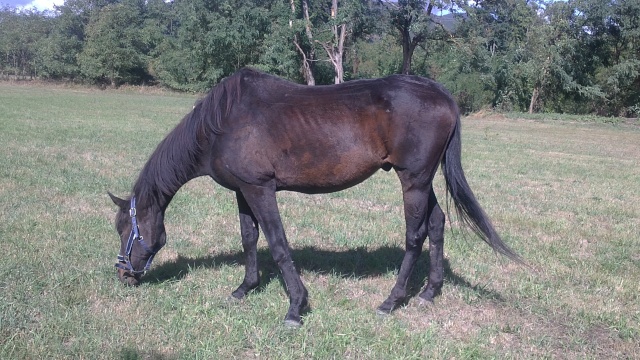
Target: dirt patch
487 115
509 330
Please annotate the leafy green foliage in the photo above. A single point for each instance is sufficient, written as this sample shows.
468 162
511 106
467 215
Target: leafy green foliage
374 58
59 50
113 51
213 39
578 56
277 53
20 37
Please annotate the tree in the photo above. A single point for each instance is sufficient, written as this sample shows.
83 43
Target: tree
113 51
212 40
376 57
58 52
331 26
552 61
414 21
525 55
611 30
20 36
158 23
500 26
335 46
304 44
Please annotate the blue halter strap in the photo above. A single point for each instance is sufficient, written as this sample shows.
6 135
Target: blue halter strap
124 261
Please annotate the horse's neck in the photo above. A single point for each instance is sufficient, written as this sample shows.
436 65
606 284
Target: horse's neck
173 163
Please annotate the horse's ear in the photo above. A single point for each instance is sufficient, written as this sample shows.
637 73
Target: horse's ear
122 204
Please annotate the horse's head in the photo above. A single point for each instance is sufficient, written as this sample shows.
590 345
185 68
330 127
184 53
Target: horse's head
142 234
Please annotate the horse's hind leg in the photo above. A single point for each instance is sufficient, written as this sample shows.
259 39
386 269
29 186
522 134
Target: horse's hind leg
250 233
416 204
435 231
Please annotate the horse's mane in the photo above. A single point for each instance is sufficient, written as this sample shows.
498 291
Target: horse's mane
176 159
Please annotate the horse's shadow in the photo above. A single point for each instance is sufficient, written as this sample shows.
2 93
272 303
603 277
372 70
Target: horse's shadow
357 263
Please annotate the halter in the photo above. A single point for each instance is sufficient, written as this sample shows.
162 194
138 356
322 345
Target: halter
124 262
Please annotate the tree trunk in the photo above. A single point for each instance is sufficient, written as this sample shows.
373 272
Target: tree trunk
339 78
335 50
307 72
339 53
409 42
407 52
534 99
307 59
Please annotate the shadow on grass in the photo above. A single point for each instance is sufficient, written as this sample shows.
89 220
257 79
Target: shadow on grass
356 263
131 353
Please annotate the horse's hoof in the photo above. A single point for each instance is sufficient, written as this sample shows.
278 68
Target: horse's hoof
424 303
383 313
292 324
239 294
231 301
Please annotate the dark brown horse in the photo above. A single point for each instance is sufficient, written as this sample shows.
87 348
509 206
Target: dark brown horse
256 134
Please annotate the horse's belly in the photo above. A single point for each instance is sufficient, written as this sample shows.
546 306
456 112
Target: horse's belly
311 174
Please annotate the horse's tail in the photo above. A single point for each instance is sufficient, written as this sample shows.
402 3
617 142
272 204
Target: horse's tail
467 207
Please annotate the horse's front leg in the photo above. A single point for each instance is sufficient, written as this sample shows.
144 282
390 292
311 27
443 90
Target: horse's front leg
262 201
249 232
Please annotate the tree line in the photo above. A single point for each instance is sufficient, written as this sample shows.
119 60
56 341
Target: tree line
577 56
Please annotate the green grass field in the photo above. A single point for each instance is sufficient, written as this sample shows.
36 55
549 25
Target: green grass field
564 194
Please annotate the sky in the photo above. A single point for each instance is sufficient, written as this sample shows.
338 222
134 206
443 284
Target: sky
41 5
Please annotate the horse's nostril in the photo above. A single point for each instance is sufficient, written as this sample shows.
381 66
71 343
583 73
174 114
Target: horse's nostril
128 279
132 281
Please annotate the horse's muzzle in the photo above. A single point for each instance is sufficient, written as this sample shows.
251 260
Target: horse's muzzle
127 278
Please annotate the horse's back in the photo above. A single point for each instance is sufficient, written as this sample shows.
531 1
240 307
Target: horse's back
327 138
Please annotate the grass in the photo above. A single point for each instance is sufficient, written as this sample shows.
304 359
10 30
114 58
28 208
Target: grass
574 118
564 194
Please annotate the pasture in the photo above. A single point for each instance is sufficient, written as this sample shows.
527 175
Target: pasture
564 194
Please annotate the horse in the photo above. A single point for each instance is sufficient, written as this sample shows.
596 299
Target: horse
256 134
